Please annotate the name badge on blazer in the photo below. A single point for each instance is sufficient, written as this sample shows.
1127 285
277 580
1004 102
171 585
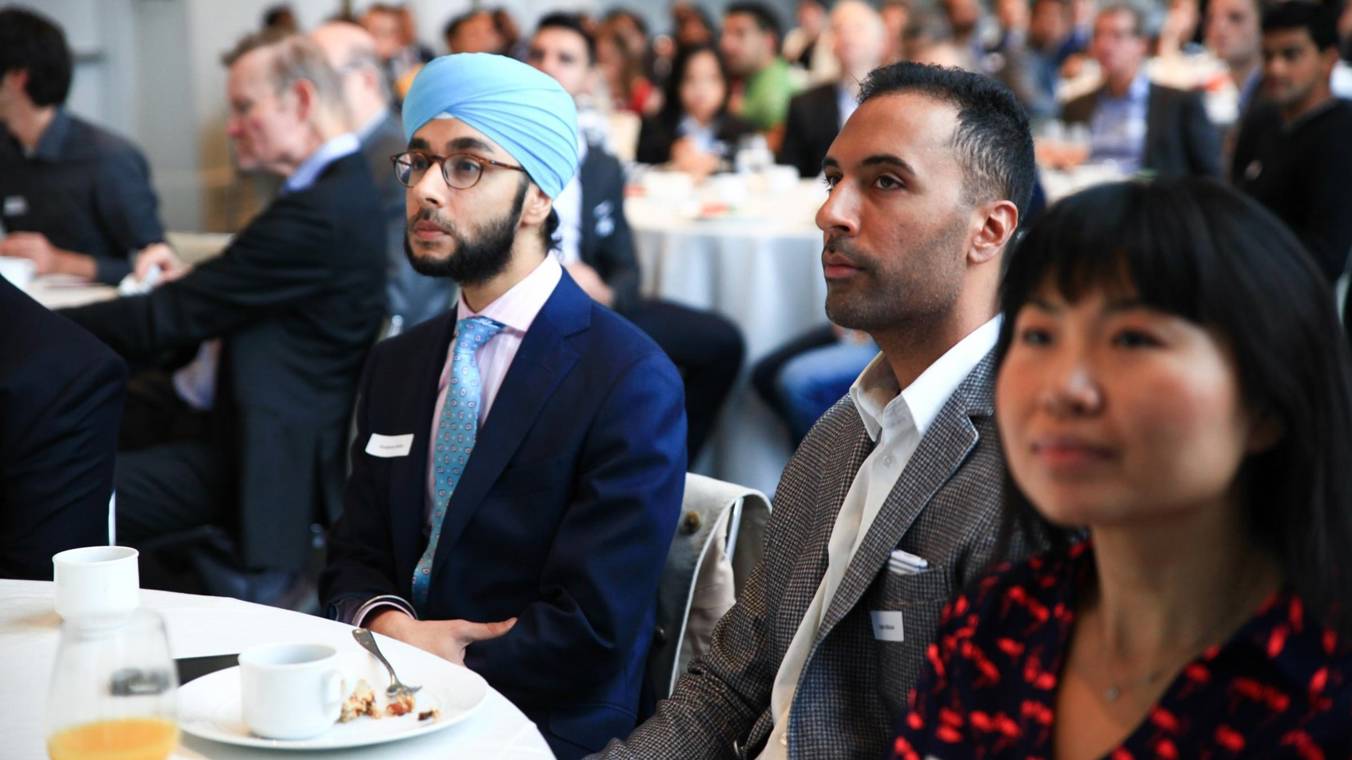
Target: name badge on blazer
387 446
16 205
887 625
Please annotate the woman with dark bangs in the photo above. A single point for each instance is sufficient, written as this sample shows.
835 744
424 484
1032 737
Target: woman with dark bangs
1175 407
694 131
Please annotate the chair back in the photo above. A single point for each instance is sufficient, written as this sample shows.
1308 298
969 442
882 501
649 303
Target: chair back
718 542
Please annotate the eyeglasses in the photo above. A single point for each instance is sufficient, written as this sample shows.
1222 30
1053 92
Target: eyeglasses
460 170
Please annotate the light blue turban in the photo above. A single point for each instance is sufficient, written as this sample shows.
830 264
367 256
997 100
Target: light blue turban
521 109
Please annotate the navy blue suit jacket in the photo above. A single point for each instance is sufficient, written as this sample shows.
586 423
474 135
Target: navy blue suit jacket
562 518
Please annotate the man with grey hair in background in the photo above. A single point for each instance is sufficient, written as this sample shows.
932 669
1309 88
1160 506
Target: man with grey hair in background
351 51
249 438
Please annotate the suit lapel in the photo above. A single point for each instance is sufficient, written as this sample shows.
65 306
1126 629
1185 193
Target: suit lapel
1155 126
941 452
541 363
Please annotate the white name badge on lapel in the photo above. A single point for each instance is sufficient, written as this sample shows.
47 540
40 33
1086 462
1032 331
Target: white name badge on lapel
887 625
16 205
387 446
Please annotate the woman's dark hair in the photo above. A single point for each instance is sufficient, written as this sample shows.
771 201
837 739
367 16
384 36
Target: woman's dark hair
32 42
1196 249
672 110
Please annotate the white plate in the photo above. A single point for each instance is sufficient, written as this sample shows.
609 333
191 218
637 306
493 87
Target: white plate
209 707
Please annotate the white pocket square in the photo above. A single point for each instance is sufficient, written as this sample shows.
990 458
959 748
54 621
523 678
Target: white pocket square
905 563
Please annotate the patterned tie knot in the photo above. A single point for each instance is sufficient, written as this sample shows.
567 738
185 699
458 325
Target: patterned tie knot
473 332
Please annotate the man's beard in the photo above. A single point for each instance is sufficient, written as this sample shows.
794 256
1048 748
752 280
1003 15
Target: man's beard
471 261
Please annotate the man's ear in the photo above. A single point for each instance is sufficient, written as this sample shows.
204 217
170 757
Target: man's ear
997 222
536 207
302 93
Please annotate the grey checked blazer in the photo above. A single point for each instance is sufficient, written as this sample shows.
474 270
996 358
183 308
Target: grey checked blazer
945 507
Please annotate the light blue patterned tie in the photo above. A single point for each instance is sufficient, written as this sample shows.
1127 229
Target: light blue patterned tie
456 430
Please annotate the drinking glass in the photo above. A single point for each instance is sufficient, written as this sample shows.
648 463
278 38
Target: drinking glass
113 692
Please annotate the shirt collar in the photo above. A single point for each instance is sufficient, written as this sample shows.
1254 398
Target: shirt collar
1136 91
310 169
53 137
882 404
518 307
369 128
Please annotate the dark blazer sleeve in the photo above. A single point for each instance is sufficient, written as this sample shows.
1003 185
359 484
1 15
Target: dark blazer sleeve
607 240
654 142
602 570
361 553
1202 141
128 209
278 259
59 416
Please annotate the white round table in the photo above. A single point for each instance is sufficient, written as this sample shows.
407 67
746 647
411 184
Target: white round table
204 625
758 265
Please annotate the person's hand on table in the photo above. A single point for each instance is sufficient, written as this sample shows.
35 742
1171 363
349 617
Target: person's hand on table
687 157
159 256
447 639
33 246
591 283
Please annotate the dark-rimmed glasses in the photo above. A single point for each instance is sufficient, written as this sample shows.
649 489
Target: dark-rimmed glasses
460 170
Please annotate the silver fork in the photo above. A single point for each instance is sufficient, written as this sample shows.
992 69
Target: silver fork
368 642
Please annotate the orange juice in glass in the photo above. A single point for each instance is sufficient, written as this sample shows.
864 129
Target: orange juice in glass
113 692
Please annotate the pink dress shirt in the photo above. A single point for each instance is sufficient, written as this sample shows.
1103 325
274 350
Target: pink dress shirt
516 309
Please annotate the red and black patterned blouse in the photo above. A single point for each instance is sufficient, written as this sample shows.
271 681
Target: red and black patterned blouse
1280 688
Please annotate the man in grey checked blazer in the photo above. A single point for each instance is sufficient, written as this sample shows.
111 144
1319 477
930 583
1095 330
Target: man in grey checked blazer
928 180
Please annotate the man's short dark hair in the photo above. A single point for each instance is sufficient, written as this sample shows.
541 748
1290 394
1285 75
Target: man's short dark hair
456 22
34 43
1297 14
571 22
1137 17
992 140
765 18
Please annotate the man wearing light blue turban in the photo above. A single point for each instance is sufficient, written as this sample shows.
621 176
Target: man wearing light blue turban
519 464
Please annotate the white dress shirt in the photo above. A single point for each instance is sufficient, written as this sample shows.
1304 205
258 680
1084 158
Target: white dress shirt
516 310
896 420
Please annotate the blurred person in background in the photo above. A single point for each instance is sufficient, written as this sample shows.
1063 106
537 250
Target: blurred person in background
1135 124
513 44
1048 30
1233 34
596 247
858 42
473 32
694 132
807 47
896 16
280 20
410 297
1175 407
762 85
693 25
397 45
249 437
1294 154
77 199
622 70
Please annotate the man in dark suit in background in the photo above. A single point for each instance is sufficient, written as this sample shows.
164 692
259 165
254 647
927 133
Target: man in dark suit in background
351 51
60 404
597 246
519 464
893 500
287 313
858 40
1134 123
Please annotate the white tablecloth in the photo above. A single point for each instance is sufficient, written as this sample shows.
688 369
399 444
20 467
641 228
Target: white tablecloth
761 268
205 625
62 291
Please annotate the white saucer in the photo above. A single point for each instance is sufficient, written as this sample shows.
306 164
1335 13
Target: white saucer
209 707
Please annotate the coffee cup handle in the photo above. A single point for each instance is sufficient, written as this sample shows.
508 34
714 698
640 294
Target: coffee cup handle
333 691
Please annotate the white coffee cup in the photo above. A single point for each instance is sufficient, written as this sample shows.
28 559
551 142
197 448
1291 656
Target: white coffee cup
290 691
96 585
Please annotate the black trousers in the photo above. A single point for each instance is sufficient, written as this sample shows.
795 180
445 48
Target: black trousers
170 477
706 348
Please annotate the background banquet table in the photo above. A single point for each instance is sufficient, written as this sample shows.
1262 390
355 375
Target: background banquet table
758 264
204 625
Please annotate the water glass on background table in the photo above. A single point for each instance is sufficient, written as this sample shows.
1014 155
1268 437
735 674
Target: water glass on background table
113 691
